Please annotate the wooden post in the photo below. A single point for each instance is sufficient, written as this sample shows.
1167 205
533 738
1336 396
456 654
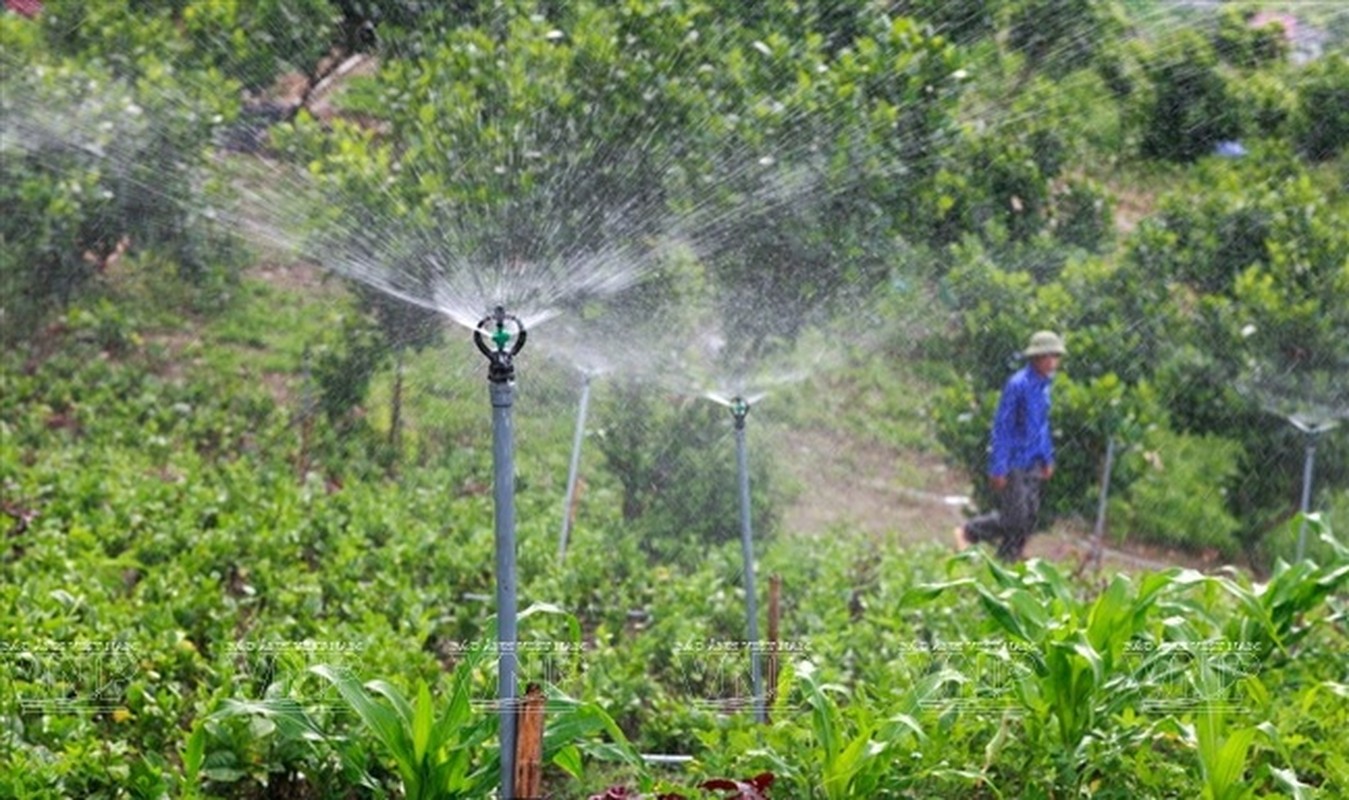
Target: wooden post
529 746
774 615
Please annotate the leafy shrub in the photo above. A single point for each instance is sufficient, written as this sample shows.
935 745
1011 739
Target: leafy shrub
1180 497
1240 44
1082 215
94 168
1321 123
675 459
1267 103
1191 107
1058 35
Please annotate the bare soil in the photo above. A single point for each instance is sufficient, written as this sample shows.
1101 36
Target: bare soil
849 484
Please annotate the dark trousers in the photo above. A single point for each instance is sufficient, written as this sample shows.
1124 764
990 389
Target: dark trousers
1014 519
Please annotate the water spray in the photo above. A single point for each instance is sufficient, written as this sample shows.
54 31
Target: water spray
506 344
739 411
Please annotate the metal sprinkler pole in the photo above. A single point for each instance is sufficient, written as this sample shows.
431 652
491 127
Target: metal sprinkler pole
574 470
1098 532
1307 467
501 386
739 410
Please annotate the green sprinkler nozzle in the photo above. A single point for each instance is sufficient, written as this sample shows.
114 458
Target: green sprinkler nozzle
739 409
502 369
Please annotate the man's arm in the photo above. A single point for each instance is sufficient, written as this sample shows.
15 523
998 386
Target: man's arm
1004 424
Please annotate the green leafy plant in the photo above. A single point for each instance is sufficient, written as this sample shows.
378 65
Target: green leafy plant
435 752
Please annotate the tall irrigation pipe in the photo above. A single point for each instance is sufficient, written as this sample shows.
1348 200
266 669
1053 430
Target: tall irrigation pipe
573 470
505 345
1307 467
1312 432
739 411
1098 530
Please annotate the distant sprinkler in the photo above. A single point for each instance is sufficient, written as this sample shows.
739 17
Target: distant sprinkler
1313 400
574 469
1312 431
739 411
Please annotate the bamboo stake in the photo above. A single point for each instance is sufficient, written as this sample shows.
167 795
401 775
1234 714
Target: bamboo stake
529 746
774 615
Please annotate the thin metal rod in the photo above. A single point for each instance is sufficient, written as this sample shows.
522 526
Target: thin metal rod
747 551
503 459
574 471
1098 532
1307 468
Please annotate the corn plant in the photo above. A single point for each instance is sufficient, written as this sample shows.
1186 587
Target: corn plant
1077 672
828 741
448 756
1276 612
1222 748
434 753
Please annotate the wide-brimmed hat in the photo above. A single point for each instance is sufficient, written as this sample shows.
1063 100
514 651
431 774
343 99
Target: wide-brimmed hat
1045 343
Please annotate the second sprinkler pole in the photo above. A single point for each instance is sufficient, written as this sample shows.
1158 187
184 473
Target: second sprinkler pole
739 411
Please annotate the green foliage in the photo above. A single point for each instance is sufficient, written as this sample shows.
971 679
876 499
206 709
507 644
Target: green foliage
675 460
94 169
1180 497
1191 107
1322 115
961 21
343 367
1082 215
1268 103
253 42
1059 35
1242 45
433 751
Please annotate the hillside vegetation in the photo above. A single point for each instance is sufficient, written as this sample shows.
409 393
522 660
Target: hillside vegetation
245 458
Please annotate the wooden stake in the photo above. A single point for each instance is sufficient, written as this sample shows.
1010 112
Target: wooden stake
774 615
529 746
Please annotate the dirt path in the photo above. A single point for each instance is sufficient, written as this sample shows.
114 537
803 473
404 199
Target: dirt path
864 486
867 486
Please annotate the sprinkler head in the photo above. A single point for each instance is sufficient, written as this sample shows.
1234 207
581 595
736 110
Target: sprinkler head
739 410
501 368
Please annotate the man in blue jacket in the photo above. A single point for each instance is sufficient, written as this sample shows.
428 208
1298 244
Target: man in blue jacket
1021 454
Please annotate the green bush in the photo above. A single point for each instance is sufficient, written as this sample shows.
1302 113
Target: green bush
1268 104
1082 215
1058 35
1191 108
1180 496
96 169
1321 123
1241 45
675 459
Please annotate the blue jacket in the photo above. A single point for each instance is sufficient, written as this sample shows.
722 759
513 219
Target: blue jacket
1021 437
